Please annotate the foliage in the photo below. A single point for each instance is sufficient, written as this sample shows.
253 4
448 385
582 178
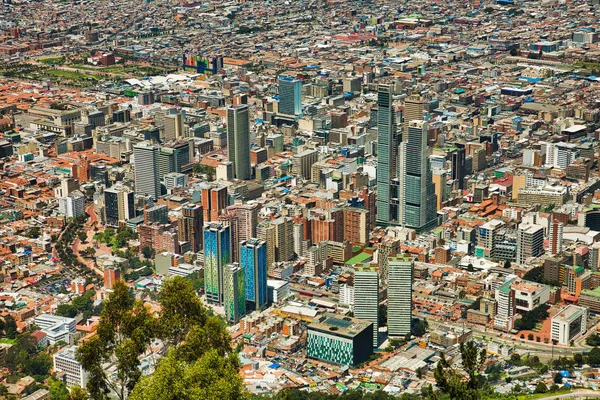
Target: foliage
419 327
531 318
536 274
118 239
148 252
452 383
475 305
382 315
124 332
593 340
541 388
34 233
9 327
81 304
24 357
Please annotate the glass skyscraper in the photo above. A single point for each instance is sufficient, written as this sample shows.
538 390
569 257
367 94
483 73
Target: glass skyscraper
233 285
387 153
419 201
217 254
238 140
290 96
253 257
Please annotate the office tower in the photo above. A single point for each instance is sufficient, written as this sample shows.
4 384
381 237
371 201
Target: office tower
156 214
176 157
214 200
73 205
440 179
366 297
253 257
506 307
267 232
119 204
217 254
556 237
530 242
290 96
352 84
111 275
387 152
302 163
238 140
458 167
419 200
568 324
413 111
488 235
189 226
284 238
389 246
233 287
174 128
247 215
594 256
399 296
147 180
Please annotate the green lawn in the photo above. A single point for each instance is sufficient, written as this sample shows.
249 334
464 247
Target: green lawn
52 60
76 76
8 341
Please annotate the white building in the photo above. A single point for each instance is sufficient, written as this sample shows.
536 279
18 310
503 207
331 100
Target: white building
501 349
65 361
277 290
505 315
529 295
399 296
347 294
530 242
569 324
73 205
56 328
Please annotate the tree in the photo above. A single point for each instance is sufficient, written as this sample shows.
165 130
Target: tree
148 252
66 310
558 379
541 388
124 332
34 233
58 389
554 387
212 377
514 52
451 382
419 326
578 358
78 393
10 327
382 315
593 340
593 357
82 236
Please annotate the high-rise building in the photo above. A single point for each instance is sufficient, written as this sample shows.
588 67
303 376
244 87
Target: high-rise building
290 96
147 180
238 140
366 297
247 214
440 178
267 232
72 205
506 309
214 200
231 220
66 361
458 166
556 237
253 257
284 238
217 254
418 191
233 287
111 275
119 204
387 152
594 256
189 226
413 111
399 296
174 128
530 242
488 236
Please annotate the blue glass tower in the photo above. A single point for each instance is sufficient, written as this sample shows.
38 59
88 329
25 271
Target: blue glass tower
290 96
253 258
217 254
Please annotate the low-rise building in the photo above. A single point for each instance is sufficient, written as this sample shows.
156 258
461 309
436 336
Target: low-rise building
568 324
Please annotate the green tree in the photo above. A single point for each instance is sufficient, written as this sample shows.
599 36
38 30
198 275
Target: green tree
451 383
382 315
58 389
10 327
558 379
78 393
66 310
124 332
593 340
148 252
541 388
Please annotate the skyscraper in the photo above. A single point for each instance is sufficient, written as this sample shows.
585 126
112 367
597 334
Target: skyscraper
147 180
290 96
119 204
174 127
189 226
387 152
214 200
413 111
419 201
217 254
458 167
267 232
556 237
238 140
366 297
399 296
530 242
248 219
233 287
253 257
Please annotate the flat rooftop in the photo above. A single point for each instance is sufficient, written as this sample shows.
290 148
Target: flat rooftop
339 325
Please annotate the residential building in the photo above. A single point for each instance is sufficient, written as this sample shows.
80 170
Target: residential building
555 237
530 242
118 204
72 205
189 226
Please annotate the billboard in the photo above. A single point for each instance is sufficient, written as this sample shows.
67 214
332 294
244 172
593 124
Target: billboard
202 65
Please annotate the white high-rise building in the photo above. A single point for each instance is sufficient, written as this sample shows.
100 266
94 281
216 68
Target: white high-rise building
147 178
399 296
65 361
366 297
530 242
73 205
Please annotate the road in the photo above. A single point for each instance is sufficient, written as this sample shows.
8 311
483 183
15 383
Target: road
578 394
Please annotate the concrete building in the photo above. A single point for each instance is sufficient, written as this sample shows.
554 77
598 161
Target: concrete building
399 296
302 163
65 361
147 179
189 226
73 205
238 140
530 242
555 237
366 297
119 204
56 328
506 308
568 324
